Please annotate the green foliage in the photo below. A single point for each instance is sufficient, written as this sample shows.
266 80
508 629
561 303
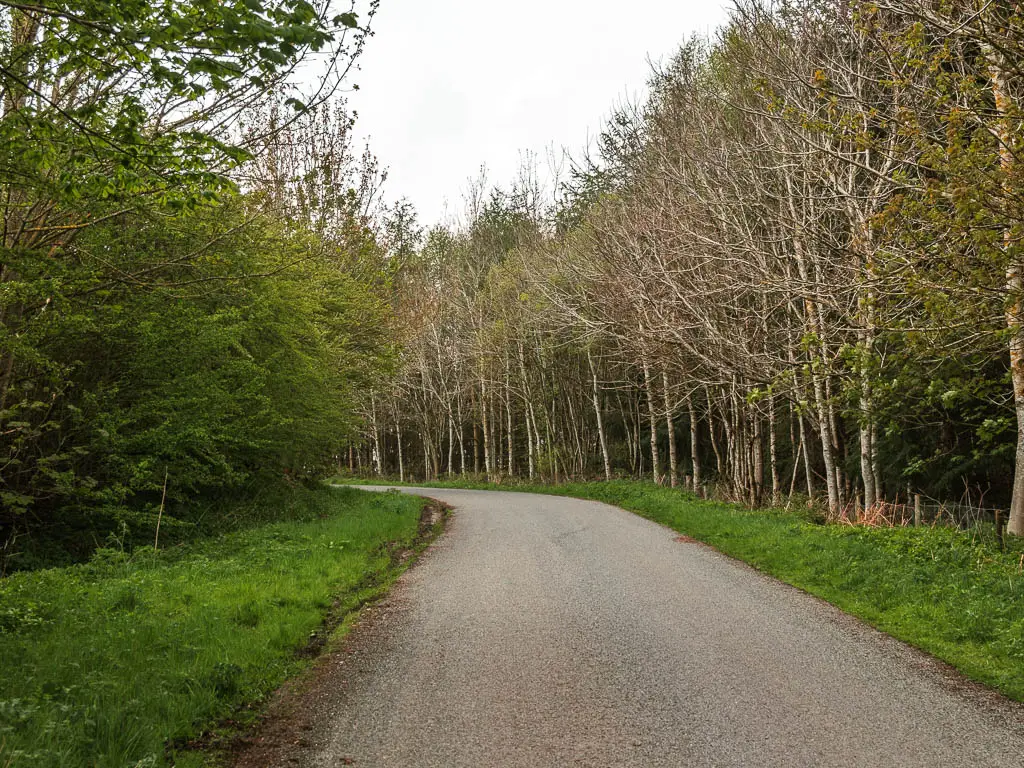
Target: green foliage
107 663
248 359
945 419
155 324
80 81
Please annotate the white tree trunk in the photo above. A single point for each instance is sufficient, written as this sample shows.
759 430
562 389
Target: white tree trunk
508 415
808 470
773 456
719 469
694 445
653 419
486 429
451 443
401 463
1014 284
377 463
461 434
673 469
600 421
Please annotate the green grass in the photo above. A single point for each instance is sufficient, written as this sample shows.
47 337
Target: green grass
113 662
951 593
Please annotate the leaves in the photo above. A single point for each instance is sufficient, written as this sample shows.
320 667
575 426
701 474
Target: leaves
152 319
349 20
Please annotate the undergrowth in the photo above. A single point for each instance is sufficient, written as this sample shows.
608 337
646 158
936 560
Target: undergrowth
78 532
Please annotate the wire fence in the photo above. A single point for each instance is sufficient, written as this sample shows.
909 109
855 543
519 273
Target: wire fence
912 510
919 510
922 511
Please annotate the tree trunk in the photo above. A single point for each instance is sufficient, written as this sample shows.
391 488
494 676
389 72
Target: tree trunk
813 323
508 415
600 421
838 444
808 471
825 431
484 407
575 428
876 462
536 432
529 444
451 443
476 448
773 458
711 433
694 445
867 469
673 469
732 463
638 420
796 467
461 434
867 414
653 419
377 463
401 463
757 486
627 426
548 433
998 72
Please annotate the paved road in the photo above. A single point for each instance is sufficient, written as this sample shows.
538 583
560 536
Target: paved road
543 631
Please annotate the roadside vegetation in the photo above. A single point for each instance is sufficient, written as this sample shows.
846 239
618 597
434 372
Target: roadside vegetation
952 593
126 659
194 265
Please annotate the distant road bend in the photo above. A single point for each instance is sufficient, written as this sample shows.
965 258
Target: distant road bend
544 631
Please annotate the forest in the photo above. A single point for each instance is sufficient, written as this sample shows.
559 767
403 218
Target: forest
794 272
194 285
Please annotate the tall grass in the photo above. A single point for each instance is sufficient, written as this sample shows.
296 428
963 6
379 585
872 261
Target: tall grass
110 663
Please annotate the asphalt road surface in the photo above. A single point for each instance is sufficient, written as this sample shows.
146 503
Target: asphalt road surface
543 631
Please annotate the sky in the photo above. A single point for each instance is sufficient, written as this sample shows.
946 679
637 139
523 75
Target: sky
448 86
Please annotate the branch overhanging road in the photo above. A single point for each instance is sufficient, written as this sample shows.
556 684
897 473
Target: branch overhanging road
545 631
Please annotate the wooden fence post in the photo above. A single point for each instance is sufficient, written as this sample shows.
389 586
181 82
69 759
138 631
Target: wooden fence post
917 510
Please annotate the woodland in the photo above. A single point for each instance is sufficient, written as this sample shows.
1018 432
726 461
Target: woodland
193 293
793 273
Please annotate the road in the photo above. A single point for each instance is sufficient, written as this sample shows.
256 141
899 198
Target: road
543 631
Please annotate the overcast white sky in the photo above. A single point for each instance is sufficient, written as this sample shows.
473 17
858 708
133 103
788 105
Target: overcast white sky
448 85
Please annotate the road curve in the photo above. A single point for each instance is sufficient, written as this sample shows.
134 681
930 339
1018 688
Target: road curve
544 631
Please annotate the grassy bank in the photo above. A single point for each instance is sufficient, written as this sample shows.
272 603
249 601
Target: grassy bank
114 662
948 592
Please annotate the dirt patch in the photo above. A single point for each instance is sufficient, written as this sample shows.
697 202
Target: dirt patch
684 539
283 725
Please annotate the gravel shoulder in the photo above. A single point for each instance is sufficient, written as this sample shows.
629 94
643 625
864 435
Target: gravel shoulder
547 631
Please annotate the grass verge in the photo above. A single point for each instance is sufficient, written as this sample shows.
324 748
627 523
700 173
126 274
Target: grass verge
950 593
114 662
